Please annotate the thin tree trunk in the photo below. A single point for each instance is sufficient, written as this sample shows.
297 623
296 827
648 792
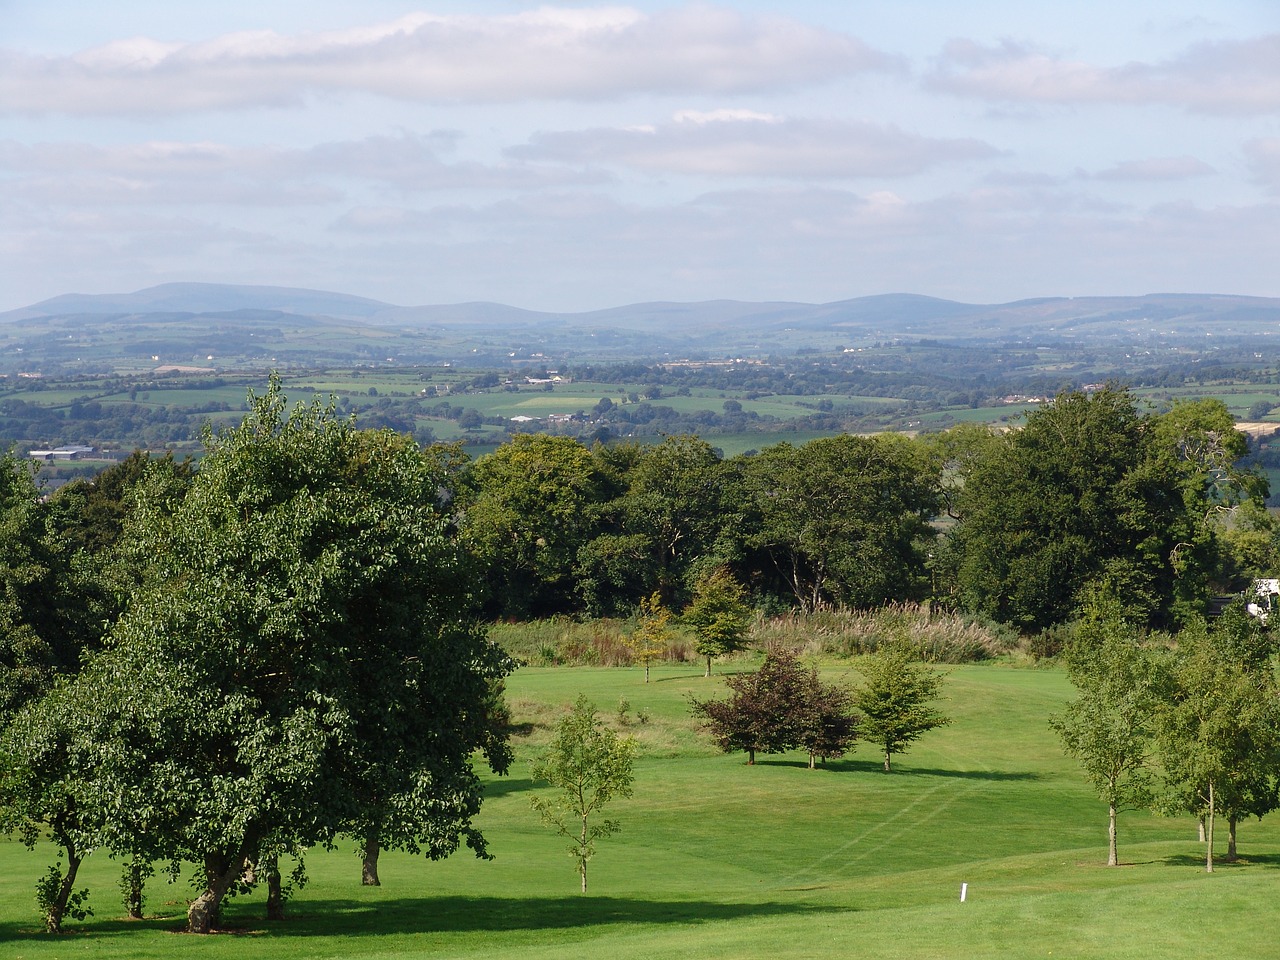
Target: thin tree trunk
133 883
582 860
708 673
811 761
646 671
1113 856
1200 834
751 756
205 912
53 916
1208 856
369 860
275 893
1231 839
887 762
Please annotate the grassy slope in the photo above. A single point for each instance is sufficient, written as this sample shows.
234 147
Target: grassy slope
717 859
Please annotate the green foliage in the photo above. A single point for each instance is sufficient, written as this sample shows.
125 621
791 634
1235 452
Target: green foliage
589 765
843 519
530 509
1111 728
896 701
719 615
652 634
1220 724
301 660
1090 491
132 885
54 903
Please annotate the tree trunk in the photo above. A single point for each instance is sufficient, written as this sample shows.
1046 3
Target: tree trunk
369 860
1208 856
58 908
751 756
812 758
205 912
1113 856
708 673
646 671
1231 839
1200 834
275 893
132 884
887 762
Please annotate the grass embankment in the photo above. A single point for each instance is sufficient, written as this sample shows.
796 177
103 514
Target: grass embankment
718 859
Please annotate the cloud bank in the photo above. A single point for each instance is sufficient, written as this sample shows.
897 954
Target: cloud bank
550 53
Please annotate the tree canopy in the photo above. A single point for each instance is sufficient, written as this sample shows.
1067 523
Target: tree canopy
301 659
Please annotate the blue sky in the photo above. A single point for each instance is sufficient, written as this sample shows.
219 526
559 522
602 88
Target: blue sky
583 155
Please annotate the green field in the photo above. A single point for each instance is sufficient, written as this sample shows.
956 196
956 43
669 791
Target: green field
718 859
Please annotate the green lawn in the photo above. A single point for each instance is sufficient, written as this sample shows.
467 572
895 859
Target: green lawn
718 859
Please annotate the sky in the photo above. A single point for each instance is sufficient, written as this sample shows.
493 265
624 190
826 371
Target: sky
575 156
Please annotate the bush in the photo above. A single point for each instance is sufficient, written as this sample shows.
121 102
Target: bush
1051 641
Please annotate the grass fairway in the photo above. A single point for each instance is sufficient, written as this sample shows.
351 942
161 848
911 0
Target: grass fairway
717 859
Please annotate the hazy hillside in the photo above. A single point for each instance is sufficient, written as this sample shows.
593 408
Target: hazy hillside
256 325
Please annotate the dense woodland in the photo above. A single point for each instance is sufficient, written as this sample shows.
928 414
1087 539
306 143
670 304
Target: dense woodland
286 644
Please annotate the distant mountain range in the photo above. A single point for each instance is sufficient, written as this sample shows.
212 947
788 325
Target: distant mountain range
888 314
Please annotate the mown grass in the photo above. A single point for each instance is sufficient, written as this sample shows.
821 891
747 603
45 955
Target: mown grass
718 859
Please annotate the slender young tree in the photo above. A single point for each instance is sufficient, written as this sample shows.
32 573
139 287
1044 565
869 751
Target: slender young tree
1110 729
719 615
588 765
896 701
652 633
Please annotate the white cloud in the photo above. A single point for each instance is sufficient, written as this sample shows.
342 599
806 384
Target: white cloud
1156 168
549 53
722 116
1223 77
741 143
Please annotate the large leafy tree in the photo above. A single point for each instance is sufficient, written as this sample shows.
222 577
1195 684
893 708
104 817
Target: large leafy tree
840 519
303 658
674 500
662 518
1092 492
46 617
532 504
62 578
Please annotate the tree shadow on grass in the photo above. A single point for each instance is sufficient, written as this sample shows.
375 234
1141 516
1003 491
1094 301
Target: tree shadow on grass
877 767
503 786
347 918
496 915
1269 860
